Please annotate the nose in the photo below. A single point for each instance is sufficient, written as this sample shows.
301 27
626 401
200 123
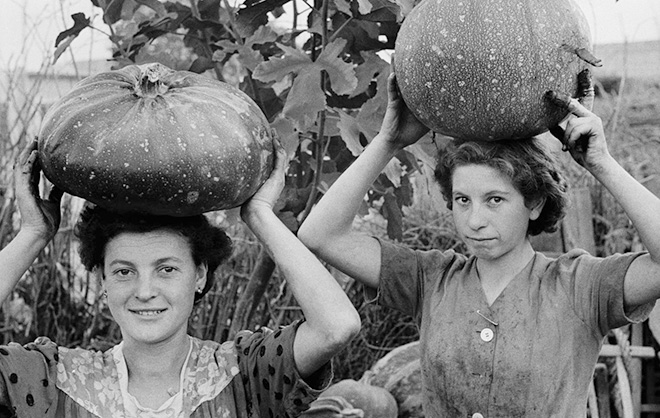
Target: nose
476 218
146 288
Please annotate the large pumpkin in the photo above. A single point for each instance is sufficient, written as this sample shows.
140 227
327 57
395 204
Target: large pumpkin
350 399
479 69
150 139
400 373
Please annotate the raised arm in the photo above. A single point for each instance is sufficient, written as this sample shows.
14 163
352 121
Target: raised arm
40 219
585 140
327 230
331 319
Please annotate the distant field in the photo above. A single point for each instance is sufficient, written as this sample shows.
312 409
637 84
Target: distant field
640 60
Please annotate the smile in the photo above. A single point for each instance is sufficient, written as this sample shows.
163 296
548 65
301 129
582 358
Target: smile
147 312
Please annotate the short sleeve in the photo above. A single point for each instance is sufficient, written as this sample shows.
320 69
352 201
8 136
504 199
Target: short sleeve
28 374
272 383
597 287
404 275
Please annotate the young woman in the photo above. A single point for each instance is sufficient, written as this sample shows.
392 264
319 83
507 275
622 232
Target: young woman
504 330
152 269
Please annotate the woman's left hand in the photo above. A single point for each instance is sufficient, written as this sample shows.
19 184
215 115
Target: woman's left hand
41 216
269 192
584 137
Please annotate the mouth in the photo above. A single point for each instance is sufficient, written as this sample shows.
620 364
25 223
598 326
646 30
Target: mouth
147 312
480 239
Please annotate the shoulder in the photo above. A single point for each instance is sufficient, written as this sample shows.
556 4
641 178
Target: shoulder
578 262
270 377
395 254
266 342
90 378
210 369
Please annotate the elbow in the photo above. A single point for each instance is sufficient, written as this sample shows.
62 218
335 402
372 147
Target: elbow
309 237
343 331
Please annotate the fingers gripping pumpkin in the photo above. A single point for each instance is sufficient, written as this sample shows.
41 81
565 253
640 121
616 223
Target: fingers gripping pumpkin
478 70
151 139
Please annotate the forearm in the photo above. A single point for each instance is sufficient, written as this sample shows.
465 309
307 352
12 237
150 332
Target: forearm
335 212
16 258
641 205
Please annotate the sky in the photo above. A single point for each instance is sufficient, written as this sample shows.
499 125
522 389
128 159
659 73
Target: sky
28 28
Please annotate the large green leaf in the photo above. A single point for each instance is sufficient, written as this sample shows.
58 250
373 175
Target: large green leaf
350 133
305 99
342 74
276 68
368 70
247 55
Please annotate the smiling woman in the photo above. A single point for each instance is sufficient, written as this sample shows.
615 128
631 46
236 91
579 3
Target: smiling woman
153 269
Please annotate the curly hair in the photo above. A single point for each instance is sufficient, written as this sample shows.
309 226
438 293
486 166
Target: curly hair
527 163
97 226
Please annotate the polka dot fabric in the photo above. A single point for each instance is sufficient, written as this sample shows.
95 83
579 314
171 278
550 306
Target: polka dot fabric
252 376
273 385
31 393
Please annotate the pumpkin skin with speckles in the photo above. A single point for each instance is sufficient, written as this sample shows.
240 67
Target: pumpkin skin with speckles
478 70
154 140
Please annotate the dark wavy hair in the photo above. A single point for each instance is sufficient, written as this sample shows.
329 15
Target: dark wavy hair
528 163
97 226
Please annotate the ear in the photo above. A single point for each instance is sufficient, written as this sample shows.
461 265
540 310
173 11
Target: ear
97 272
200 276
536 208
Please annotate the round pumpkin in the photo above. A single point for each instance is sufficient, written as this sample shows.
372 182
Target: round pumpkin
374 401
479 70
400 373
150 139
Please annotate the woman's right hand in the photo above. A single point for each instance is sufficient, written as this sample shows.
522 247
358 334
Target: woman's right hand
39 216
400 126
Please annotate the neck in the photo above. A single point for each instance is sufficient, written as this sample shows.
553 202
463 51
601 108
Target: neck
154 370
495 274
158 359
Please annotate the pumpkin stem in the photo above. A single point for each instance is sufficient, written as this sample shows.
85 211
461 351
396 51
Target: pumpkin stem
584 54
150 81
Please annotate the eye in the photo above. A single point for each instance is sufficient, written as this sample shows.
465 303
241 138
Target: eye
123 273
461 200
167 269
495 200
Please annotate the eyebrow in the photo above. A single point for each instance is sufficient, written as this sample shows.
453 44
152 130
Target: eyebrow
488 193
156 262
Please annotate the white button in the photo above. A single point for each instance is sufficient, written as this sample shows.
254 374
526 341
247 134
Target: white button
487 335
476 414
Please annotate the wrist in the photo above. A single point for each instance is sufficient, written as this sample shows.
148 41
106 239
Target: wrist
34 238
254 210
606 167
387 143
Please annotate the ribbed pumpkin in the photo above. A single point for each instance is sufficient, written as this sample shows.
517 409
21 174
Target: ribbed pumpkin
150 139
399 372
371 401
479 69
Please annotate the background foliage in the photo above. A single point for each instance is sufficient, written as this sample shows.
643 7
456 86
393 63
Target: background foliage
318 71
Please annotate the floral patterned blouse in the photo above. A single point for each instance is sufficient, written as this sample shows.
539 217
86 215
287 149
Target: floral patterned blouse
252 376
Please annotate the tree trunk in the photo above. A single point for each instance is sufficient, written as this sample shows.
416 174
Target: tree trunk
252 293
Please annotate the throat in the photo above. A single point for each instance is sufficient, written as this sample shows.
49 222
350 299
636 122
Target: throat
495 277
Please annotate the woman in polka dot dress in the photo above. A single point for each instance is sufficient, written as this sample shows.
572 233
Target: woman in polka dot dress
152 270
504 331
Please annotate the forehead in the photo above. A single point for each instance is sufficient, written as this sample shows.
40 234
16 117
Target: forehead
136 246
480 177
